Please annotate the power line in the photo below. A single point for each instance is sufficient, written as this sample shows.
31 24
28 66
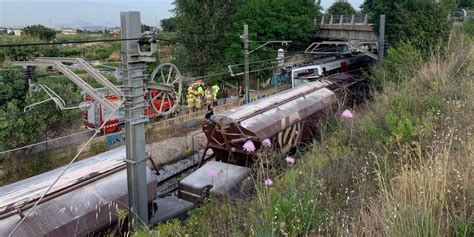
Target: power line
112 40
65 42
43 142
109 40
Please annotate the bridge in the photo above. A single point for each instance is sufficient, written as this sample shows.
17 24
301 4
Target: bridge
346 27
461 16
344 34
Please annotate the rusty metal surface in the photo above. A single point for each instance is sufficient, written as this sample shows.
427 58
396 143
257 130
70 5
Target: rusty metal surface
222 179
288 118
285 118
17 194
87 207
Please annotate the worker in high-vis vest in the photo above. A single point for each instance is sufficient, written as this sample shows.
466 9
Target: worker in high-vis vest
208 96
190 102
200 91
197 101
215 91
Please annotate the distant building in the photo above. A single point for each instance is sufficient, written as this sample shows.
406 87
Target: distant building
68 31
11 31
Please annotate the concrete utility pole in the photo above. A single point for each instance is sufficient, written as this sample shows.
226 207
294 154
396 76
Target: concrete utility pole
381 43
132 69
246 63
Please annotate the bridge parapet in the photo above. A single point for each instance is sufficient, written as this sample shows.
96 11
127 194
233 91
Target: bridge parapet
345 27
344 20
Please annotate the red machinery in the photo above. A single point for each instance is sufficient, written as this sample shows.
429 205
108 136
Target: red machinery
162 98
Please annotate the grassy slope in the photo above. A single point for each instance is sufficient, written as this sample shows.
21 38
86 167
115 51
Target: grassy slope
403 166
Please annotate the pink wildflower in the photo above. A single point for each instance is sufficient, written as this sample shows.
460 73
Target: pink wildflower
267 143
249 146
268 182
346 114
290 160
213 173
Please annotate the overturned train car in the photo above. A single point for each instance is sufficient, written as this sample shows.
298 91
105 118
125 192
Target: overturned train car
286 119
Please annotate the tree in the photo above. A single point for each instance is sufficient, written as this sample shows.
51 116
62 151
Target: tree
40 31
341 8
145 28
274 20
168 24
201 25
469 4
424 23
19 128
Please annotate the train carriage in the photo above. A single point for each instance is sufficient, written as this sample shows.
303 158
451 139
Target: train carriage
286 118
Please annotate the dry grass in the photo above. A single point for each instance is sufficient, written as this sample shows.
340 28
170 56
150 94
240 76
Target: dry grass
431 193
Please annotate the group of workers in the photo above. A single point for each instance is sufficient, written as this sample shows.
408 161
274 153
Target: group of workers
201 93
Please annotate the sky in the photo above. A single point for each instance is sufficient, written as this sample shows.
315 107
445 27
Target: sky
75 13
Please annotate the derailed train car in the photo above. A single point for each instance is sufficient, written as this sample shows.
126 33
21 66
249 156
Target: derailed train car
83 201
287 119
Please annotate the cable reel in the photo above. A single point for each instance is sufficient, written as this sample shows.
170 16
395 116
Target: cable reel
164 89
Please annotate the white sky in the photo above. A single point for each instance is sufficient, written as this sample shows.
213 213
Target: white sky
78 13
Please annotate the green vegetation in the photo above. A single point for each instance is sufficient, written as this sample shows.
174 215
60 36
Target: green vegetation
264 18
469 4
40 32
92 51
468 27
214 30
424 23
168 24
19 128
341 8
202 24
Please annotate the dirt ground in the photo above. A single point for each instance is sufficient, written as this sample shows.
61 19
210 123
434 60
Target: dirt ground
174 148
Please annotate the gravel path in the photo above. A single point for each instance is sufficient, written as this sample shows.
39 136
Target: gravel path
174 149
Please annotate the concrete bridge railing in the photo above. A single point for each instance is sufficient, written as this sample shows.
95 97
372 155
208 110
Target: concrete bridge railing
343 20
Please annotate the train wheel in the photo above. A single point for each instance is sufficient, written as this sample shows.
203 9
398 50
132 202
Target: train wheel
167 80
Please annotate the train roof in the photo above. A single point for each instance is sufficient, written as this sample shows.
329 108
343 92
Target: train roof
267 116
17 194
85 199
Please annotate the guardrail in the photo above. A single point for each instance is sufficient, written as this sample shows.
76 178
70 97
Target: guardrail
343 20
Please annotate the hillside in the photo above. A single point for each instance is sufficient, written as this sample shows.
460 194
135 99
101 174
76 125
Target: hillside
403 165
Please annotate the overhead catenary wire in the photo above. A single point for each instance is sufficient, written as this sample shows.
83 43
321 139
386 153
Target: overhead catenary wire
65 169
110 40
43 142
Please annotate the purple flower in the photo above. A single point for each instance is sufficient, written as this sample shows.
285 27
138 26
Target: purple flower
290 160
213 173
346 114
267 143
249 146
268 182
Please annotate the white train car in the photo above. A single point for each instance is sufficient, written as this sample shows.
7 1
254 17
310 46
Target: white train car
326 67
